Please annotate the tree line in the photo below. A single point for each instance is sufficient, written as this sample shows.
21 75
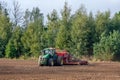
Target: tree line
80 33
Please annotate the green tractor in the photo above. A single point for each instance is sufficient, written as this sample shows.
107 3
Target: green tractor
52 56
49 57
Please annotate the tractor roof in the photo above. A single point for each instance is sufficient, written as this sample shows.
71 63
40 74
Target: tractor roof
57 49
48 48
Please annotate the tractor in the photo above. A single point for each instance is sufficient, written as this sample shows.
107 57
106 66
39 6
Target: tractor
57 57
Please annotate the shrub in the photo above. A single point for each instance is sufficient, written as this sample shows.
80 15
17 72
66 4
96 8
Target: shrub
108 47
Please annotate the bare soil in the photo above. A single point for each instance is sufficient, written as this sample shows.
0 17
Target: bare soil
29 70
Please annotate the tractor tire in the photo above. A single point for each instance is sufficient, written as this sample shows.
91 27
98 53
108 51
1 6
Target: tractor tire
50 62
59 61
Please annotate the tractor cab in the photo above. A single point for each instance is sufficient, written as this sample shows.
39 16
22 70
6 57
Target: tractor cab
48 51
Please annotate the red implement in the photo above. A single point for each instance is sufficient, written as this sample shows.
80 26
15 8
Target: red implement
68 59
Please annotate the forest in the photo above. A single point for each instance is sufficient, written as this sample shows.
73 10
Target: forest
81 33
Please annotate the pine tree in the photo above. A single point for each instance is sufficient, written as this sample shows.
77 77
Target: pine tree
32 36
53 27
102 22
63 37
5 30
79 32
108 47
14 46
116 22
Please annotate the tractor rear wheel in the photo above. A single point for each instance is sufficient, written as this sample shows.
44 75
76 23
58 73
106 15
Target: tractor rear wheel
60 61
50 62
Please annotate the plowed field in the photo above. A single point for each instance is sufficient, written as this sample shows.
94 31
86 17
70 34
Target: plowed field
29 70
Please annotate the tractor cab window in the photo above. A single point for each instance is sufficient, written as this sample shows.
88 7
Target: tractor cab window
46 52
51 52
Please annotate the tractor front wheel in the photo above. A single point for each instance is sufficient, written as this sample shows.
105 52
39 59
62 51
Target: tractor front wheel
50 62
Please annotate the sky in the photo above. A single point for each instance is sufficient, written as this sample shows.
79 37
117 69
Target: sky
46 6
